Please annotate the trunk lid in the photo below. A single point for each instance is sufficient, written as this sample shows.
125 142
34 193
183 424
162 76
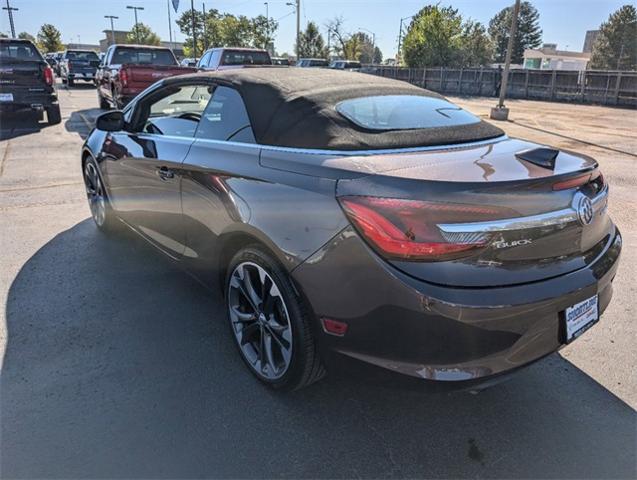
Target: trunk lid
21 74
550 221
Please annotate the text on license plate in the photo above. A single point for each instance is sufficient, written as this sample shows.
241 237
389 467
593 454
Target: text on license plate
580 317
6 97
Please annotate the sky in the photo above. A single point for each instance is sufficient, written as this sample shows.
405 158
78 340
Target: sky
563 21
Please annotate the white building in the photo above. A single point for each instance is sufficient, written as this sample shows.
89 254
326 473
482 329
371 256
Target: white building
550 58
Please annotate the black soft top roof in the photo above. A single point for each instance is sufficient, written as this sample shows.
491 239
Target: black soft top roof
296 107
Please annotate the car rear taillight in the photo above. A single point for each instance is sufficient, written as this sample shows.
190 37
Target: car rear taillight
123 77
48 76
408 229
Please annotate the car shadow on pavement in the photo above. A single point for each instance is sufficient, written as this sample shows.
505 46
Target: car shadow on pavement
119 365
82 121
13 125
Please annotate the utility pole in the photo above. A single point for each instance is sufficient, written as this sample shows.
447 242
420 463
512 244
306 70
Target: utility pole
205 40
373 42
501 112
10 11
170 27
194 33
267 24
136 22
112 17
400 37
297 6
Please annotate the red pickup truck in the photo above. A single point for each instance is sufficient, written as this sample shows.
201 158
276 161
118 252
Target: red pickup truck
129 69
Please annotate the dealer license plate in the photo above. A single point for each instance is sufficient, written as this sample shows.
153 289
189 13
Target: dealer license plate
6 97
580 317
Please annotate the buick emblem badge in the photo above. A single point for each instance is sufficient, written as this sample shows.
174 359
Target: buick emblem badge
585 210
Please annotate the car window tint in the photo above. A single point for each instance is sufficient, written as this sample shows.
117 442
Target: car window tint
143 56
402 112
245 57
18 51
86 56
224 116
203 61
178 113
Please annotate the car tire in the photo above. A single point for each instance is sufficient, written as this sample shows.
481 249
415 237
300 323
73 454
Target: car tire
99 204
53 114
282 319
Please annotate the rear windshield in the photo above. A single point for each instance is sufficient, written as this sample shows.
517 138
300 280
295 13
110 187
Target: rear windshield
240 57
318 63
144 56
404 112
79 55
19 51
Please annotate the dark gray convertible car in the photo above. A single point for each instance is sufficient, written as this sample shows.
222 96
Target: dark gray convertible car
354 219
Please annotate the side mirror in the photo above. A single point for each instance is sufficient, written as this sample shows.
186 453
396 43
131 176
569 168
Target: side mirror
112 121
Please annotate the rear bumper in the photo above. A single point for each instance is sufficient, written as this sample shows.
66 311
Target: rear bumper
433 332
29 100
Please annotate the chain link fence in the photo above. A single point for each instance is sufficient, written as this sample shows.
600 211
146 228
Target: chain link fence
593 86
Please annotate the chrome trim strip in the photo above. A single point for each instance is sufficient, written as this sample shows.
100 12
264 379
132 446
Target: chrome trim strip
556 217
334 153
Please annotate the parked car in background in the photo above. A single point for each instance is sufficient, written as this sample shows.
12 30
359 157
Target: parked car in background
188 62
283 61
26 80
57 56
345 65
129 69
312 63
226 58
78 65
50 59
372 222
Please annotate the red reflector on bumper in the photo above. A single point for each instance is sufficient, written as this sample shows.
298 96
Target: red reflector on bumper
334 327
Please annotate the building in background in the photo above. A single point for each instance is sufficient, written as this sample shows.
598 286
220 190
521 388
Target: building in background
589 40
120 37
550 58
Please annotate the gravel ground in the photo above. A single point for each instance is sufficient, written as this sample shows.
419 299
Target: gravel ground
116 364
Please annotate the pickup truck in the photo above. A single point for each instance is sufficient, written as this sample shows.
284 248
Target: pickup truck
78 65
129 69
26 81
226 58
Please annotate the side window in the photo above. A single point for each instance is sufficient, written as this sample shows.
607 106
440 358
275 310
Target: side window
203 61
178 112
225 118
214 58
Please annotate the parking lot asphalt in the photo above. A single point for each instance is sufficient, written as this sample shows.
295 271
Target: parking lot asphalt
117 364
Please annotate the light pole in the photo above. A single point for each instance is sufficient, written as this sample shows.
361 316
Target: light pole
10 11
501 112
194 33
297 6
373 42
112 17
400 37
267 24
205 41
136 29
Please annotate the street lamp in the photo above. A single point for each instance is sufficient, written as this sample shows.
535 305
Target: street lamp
112 17
136 29
267 24
400 36
297 6
500 112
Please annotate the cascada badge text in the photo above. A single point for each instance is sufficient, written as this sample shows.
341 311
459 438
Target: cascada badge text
512 243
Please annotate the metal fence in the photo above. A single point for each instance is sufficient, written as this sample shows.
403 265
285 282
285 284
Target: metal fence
594 86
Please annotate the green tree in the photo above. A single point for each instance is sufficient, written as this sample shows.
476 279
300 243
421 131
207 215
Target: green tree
433 38
476 49
225 30
378 56
616 45
49 39
26 36
311 43
529 33
3 35
143 35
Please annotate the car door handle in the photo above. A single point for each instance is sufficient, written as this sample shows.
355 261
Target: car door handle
165 173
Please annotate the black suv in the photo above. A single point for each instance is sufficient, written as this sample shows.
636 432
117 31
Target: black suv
26 80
